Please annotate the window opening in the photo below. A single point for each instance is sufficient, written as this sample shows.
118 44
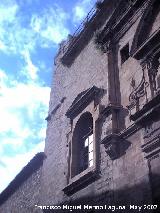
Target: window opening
88 150
82 144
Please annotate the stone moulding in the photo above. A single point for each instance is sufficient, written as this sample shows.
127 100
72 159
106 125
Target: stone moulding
143 42
80 183
81 101
115 27
152 147
146 46
129 131
149 112
83 34
53 112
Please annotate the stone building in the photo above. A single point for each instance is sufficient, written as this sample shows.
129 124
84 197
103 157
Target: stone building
103 133
23 193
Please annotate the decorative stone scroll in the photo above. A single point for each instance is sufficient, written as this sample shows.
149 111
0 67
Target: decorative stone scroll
137 93
149 86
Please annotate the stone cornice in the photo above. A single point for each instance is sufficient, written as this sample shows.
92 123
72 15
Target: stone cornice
94 20
53 112
118 24
148 113
80 182
81 101
152 147
148 46
129 131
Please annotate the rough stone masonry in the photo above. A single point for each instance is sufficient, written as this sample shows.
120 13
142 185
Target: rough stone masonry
102 144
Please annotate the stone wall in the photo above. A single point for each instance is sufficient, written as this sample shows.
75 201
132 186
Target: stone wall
73 81
123 98
124 179
24 192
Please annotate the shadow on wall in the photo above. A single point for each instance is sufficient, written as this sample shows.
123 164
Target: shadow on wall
129 199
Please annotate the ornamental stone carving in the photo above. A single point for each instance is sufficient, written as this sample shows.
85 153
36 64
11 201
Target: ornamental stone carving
137 93
153 66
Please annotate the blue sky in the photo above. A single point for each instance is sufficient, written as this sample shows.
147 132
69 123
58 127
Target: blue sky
30 32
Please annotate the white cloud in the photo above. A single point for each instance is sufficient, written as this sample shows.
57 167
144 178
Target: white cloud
9 172
21 95
30 70
8 16
42 133
44 30
14 98
8 12
50 26
2 46
81 10
3 79
79 13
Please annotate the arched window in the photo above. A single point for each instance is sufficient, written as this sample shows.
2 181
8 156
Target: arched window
82 145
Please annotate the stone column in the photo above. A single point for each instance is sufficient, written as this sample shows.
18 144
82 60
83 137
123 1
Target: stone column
113 73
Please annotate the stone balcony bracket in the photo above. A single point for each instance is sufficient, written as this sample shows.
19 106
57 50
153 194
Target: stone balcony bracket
111 143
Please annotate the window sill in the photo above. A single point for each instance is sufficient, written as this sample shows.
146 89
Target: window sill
80 181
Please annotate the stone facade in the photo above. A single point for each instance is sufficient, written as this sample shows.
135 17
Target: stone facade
113 56
111 70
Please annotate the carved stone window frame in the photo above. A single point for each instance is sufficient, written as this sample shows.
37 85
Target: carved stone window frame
86 101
